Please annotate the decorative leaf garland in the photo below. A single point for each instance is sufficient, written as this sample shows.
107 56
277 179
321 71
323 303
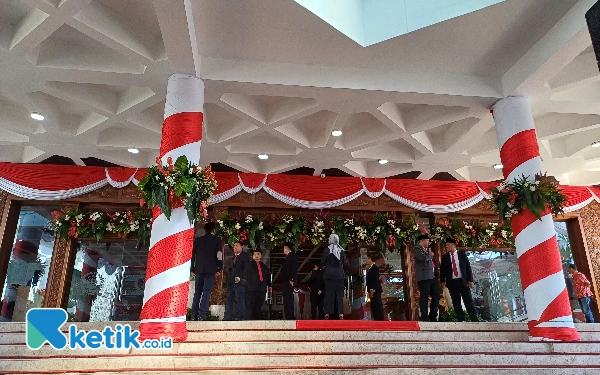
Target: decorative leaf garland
476 234
510 199
73 223
389 231
179 184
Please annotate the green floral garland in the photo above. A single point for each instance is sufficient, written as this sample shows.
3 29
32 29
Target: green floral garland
475 234
510 199
72 223
388 231
181 183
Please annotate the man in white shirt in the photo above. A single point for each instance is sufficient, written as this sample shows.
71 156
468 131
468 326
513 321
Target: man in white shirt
456 274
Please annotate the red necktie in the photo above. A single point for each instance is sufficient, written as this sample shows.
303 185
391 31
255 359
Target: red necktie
260 276
234 259
454 269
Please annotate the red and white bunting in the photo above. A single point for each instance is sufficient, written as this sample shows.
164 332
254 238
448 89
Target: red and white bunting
39 181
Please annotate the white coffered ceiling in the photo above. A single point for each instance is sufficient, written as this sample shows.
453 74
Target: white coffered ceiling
279 79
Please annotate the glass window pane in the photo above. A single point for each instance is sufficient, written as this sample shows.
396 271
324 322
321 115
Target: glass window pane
29 263
392 278
108 282
498 293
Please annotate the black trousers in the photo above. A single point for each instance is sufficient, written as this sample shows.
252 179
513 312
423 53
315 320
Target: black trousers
377 307
288 301
316 305
459 291
334 294
429 288
254 302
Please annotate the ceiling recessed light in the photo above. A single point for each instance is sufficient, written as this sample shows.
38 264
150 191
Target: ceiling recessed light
336 133
498 166
383 161
596 144
263 156
37 116
133 150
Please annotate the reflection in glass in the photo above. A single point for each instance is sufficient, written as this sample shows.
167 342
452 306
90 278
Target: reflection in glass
29 263
108 282
392 276
498 293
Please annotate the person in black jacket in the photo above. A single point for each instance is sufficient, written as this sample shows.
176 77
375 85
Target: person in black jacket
374 288
456 274
236 284
316 293
333 260
206 265
258 281
289 274
425 275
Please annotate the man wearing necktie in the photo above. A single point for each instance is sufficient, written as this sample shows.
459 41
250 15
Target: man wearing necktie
426 279
456 274
258 281
236 284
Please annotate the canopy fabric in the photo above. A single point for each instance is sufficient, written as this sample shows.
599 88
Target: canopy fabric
55 182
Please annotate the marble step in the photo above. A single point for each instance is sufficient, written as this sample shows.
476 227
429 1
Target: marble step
291 325
315 336
201 348
365 371
236 361
213 336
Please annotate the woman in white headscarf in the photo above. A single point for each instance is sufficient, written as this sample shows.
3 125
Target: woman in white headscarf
332 261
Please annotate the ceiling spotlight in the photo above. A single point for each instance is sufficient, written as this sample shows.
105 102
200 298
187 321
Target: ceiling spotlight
263 156
383 161
37 116
336 133
133 150
596 144
498 166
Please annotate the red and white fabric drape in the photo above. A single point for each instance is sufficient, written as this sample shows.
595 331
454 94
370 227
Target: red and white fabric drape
38 181
169 260
542 276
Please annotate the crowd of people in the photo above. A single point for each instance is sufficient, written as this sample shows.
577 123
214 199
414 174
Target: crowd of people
248 280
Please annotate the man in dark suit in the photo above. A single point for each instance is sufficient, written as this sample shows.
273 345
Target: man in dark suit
289 274
426 279
258 281
374 288
316 293
206 265
456 274
236 284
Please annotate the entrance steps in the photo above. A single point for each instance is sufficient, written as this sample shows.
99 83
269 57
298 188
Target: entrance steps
278 347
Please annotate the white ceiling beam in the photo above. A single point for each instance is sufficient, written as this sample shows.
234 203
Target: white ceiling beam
583 69
453 85
563 43
173 22
475 132
37 27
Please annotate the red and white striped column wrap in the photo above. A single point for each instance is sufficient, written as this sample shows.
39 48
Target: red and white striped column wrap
167 276
88 274
540 265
